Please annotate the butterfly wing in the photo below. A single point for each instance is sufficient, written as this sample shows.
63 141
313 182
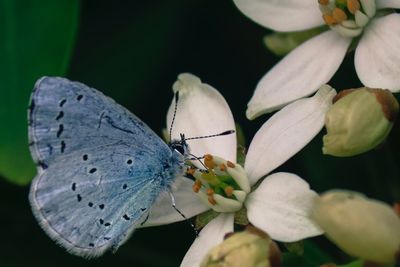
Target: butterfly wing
67 116
100 167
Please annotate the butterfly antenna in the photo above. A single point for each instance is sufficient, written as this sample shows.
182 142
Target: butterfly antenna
198 159
173 117
213 135
183 215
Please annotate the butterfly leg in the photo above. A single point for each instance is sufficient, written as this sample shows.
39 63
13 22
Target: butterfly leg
183 215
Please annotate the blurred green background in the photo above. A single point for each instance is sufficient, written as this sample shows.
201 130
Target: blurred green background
133 51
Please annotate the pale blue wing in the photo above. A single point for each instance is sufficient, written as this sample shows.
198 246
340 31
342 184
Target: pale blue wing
65 116
91 194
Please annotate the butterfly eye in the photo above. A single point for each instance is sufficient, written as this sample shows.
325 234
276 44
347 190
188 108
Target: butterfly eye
178 147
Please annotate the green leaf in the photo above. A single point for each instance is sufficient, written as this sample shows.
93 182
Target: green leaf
313 256
295 247
281 43
37 40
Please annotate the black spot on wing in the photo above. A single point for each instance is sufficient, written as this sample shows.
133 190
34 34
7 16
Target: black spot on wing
42 165
79 97
62 102
62 146
101 206
60 130
60 115
79 197
126 217
124 186
92 170
85 157
90 204
73 187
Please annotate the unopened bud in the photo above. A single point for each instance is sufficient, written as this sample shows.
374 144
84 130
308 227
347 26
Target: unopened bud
359 120
362 227
249 248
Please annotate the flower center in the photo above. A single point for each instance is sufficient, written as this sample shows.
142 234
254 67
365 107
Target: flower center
347 17
223 186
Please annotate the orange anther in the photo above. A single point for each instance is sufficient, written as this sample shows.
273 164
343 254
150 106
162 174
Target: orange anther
323 2
222 167
208 161
208 157
329 20
190 171
212 200
339 15
210 192
229 191
195 188
353 6
230 164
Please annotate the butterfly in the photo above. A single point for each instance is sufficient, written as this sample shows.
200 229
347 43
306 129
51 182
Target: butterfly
100 168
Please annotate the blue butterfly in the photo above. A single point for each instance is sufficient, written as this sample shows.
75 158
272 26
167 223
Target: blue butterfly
100 168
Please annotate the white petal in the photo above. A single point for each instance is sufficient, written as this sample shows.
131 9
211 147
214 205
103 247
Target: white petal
281 206
282 15
387 4
369 7
377 57
186 202
202 111
299 74
211 235
286 132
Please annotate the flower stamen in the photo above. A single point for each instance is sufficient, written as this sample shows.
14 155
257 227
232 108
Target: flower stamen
190 171
222 167
208 161
229 191
230 164
329 20
212 200
347 17
223 186
339 15
196 186
210 192
353 6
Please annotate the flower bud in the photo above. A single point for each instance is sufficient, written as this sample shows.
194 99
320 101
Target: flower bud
362 227
249 248
359 120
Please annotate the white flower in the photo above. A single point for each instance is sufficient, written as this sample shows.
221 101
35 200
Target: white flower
281 204
306 68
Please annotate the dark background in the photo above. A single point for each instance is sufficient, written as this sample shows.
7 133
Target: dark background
133 52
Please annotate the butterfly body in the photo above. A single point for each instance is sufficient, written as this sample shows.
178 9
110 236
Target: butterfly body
100 168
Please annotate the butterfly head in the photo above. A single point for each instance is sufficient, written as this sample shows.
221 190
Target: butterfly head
180 146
